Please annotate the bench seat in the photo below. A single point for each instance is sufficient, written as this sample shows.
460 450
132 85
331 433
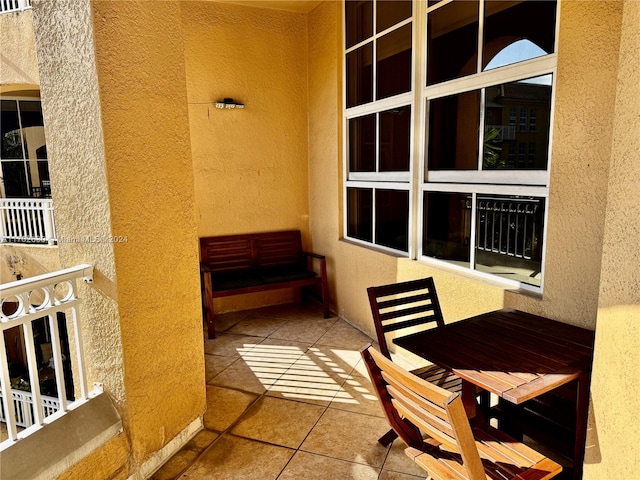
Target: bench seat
257 262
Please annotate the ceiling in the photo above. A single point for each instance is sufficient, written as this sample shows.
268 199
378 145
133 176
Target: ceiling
300 6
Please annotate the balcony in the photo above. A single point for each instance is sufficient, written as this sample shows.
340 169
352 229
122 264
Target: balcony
9 6
43 371
27 220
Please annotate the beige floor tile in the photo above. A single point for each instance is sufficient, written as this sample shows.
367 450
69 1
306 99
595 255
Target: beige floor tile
317 467
227 320
309 381
235 458
398 462
258 326
358 395
343 335
348 436
185 457
250 376
224 407
304 330
231 345
214 364
281 422
388 475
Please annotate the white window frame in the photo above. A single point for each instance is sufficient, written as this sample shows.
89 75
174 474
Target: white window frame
528 183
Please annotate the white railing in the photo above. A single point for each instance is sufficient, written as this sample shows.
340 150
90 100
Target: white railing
49 298
23 406
7 6
27 220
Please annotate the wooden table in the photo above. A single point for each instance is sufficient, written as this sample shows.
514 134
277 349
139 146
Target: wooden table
515 355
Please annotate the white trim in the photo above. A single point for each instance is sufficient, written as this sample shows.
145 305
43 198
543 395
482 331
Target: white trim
159 458
506 177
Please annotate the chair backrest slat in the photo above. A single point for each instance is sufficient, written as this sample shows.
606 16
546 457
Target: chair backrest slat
403 305
434 410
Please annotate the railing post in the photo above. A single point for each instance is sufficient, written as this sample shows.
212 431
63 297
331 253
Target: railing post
3 235
49 231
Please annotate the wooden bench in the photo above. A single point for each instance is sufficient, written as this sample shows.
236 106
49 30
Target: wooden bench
257 262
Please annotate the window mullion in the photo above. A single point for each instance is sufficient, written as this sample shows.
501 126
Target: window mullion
473 233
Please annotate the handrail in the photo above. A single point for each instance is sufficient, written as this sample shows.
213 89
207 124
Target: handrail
27 220
50 302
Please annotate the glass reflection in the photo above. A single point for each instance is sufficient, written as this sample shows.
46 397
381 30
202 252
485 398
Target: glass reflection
395 136
447 226
517 119
360 213
392 219
362 135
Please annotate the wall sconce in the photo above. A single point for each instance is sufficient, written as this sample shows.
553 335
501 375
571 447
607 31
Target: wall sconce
228 103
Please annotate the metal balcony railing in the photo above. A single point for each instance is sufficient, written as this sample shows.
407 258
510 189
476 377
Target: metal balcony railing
42 361
27 220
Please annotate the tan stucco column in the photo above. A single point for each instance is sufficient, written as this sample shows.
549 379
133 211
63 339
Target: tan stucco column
613 446
114 98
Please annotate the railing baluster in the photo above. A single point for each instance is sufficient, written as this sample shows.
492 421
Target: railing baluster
27 221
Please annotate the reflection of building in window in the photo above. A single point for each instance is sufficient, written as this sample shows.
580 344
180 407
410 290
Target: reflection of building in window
23 152
483 132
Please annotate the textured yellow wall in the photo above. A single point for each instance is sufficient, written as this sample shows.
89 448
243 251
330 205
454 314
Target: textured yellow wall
118 140
581 151
613 446
27 260
18 62
250 164
141 71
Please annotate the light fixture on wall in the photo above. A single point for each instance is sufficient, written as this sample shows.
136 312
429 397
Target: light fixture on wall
228 103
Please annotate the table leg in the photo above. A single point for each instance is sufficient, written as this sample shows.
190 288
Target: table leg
469 399
582 409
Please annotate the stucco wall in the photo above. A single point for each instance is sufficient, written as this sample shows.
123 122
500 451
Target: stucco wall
250 164
143 100
18 62
118 141
613 448
581 150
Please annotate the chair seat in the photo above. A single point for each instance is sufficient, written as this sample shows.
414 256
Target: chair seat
440 376
502 458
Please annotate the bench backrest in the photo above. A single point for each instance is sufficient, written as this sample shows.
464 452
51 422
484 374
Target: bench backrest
252 250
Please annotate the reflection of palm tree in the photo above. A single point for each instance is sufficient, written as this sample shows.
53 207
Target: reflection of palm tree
492 158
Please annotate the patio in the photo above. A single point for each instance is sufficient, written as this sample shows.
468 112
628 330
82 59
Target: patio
288 397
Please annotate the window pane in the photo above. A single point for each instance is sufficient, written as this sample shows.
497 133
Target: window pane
14 177
532 100
509 239
452 41
393 63
454 123
392 219
362 136
395 134
360 214
10 130
390 12
360 76
447 227
358 21
517 31
32 129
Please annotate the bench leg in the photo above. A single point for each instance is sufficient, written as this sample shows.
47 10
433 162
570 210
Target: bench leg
325 290
207 300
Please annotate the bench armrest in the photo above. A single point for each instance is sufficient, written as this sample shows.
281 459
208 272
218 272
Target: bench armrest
314 255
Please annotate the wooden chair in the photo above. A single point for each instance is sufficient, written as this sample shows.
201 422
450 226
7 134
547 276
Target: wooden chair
451 449
413 304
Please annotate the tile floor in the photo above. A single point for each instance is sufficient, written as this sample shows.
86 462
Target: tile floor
288 397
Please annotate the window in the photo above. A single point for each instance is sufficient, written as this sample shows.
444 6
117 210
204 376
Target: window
474 198
23 151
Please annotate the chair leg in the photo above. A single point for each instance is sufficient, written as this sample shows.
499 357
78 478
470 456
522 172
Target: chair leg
387 438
